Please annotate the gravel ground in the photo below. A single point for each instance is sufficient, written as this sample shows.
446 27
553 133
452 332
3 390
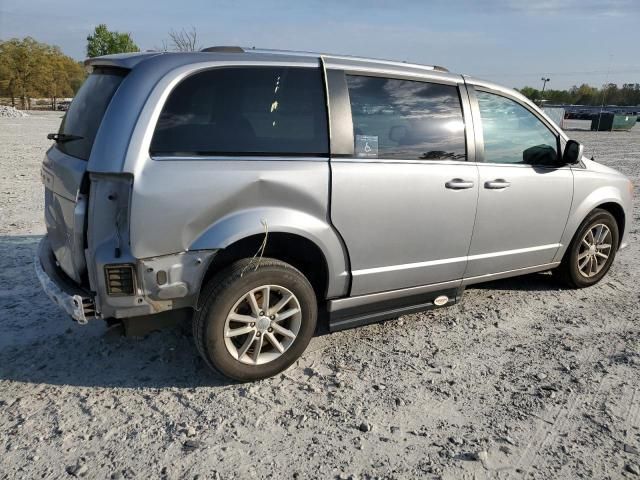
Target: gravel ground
520 380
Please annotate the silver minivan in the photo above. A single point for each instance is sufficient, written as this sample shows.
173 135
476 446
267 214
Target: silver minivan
251 189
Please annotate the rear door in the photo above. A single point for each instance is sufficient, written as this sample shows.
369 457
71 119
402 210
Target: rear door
403 195
64 168
525 191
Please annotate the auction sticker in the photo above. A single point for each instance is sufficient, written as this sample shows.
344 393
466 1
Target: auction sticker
366 146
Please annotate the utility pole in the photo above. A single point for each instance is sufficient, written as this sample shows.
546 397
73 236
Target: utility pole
544 83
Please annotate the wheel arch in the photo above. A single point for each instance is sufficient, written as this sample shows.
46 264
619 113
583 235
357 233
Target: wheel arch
617 211
306 242
607 200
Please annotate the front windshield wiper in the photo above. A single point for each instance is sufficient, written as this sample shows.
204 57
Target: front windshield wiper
63 137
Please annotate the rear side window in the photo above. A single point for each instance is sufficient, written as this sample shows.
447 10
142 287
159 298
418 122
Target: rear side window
402 119
87 109
245 111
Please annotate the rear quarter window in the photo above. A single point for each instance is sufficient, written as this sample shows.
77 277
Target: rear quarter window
405 119
87 110
245 111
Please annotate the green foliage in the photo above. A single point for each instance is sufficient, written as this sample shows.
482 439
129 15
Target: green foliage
610 94
105 42
29 69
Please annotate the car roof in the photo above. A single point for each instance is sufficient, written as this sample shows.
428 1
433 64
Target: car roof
130 60
169 60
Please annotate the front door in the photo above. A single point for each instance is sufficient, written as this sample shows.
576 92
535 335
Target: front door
404 198
525 192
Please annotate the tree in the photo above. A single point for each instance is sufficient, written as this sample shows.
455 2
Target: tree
7 78
23 68
62 76
184 40
29 69
531 93
586 95
105 42
609 94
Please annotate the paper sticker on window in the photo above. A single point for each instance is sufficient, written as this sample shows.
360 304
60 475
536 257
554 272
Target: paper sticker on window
366 145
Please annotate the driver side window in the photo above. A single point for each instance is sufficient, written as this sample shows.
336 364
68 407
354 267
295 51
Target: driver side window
512 134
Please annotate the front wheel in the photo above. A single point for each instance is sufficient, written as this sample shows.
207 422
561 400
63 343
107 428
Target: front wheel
256 319
591 251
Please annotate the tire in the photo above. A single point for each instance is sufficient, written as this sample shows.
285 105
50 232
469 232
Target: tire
571 271
230 291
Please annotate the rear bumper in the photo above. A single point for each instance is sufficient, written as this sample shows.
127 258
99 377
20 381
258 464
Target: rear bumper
74 300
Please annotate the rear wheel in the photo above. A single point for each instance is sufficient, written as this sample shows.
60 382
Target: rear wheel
255 319
591 251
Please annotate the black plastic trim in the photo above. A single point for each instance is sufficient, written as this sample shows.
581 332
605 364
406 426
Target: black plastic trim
376 312
341 141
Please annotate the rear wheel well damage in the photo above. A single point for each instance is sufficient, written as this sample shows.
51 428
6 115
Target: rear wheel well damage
298 251
617 211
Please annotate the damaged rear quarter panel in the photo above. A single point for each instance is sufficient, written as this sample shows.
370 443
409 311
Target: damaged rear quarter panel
209 203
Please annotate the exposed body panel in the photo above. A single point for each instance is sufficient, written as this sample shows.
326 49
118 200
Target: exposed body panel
65 210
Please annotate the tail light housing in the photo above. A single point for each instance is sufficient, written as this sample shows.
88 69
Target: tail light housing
120 280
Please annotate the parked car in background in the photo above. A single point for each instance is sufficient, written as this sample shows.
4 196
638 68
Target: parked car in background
253 188
63 106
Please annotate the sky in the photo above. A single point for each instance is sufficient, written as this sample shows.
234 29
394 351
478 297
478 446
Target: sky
512 42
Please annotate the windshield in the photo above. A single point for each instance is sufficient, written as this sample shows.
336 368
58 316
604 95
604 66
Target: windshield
87 109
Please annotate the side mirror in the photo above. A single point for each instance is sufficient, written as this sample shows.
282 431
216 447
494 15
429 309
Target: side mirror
572 152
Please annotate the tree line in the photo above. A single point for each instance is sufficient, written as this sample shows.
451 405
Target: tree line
609 94
31 69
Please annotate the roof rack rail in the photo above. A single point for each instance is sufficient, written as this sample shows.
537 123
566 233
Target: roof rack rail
224 48
236 49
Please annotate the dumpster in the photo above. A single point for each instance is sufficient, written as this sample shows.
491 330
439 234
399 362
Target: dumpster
607 121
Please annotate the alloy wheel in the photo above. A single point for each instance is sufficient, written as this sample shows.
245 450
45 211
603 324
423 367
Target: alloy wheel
594 250
262 324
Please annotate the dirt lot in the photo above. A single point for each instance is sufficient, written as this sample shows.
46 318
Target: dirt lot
520 380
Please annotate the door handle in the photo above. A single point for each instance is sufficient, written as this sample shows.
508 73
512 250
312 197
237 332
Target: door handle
458 184
497 184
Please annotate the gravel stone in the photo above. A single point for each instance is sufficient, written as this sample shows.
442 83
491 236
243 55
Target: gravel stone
365 427
632 468
191 445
